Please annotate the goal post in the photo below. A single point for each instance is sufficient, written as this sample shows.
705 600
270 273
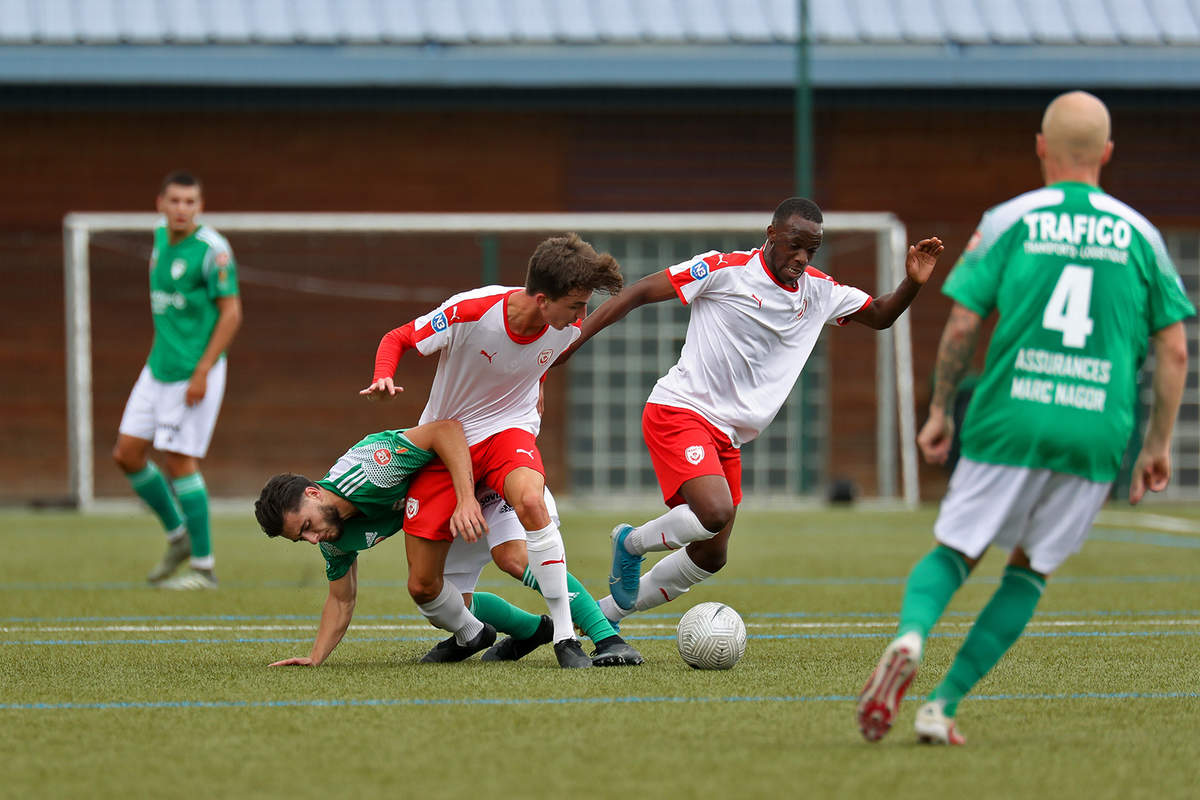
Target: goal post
895 427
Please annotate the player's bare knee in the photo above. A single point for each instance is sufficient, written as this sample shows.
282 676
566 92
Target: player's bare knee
714 516
512 564
424 589
530 509
127 461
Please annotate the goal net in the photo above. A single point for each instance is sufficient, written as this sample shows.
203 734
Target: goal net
319 290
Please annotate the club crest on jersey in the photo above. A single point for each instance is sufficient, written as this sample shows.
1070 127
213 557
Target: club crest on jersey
383 456
178 267
372 537
803 308
544 357
411 507
694 454
439 323
699 270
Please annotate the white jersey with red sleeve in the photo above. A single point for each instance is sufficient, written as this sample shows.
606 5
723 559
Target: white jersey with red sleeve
487 376
748 337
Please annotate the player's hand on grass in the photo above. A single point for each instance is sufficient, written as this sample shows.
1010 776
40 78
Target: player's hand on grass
303 661
936 436
384 388
197 388
467 520
922 257
1151 471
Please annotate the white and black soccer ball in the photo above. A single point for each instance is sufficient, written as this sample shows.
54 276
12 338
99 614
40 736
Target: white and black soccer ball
711 636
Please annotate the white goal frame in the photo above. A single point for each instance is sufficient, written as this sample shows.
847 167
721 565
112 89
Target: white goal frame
896 415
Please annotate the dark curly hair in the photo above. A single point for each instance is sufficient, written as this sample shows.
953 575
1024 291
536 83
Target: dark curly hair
280 496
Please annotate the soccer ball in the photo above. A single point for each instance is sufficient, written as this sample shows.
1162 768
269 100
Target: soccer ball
711 636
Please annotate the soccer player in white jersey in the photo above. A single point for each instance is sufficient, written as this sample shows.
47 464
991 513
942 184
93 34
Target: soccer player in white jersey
1082 285
174 404
755 317
495 345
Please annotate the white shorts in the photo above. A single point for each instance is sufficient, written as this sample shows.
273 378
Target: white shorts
1047 514
466 560
156 412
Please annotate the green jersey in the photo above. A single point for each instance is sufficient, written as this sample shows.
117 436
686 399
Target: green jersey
1080 281
374 476
185 281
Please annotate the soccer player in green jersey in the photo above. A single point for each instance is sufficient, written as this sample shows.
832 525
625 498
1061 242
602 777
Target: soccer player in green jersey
359 503
362 501
1081 284
174 405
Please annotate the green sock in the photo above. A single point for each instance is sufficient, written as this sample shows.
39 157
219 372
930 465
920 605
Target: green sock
931 584
152 487
585 611
998 626
193 499
504 616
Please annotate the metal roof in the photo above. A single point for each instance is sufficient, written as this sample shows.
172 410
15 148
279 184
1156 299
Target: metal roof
598 42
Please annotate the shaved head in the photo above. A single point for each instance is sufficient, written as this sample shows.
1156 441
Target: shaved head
1076 130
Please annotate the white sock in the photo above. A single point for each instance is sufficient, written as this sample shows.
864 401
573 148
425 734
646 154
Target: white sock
448 613
675 529
670 577
548 563
612 612
203 562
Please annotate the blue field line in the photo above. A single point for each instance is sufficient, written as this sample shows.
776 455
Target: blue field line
647 615
882 635
541 701
717 582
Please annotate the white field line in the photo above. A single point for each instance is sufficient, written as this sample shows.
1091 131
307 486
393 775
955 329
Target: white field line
634 626
1135 519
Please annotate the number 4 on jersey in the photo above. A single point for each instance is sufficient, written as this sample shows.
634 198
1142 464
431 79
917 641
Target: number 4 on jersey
1069 303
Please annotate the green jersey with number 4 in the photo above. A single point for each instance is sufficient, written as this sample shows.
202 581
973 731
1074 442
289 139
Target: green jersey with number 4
374 476
186 279
1080 282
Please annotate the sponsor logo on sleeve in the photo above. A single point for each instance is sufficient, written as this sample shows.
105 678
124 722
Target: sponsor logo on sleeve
383 456
411 507
694 454
222 259
699 271
439 323
974 241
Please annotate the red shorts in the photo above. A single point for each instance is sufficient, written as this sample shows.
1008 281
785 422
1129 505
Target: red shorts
431 498
684 445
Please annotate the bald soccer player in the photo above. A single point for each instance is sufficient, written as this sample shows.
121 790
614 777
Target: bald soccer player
1082 285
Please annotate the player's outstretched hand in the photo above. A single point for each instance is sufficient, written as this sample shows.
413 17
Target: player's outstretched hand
467 520
1151 471
936 436
303 661
383 389
922 257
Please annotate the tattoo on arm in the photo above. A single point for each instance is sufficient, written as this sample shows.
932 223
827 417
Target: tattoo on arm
954 353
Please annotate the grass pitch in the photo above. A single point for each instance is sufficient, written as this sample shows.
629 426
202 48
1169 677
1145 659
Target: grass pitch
109 688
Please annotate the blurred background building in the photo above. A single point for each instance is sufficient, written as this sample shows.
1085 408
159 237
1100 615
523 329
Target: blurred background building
923 108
